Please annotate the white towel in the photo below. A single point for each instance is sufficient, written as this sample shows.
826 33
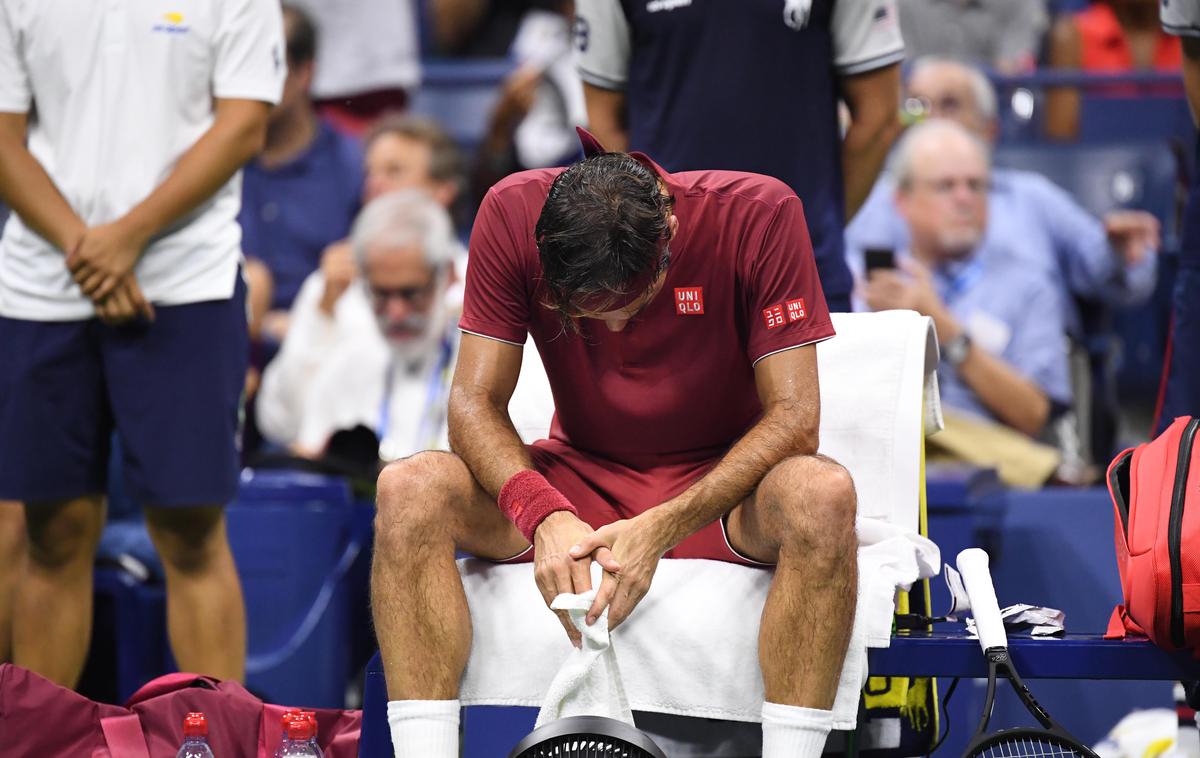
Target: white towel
589 682
690 648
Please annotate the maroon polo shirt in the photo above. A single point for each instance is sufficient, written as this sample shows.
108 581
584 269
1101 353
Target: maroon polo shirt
677 384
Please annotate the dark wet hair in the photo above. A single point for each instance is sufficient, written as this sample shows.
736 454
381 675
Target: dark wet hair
602 234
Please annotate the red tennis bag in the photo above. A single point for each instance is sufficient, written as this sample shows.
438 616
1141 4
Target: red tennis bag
39 719
1155 490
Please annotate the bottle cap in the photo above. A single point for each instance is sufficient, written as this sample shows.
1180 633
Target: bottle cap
195 725
290 715
301 729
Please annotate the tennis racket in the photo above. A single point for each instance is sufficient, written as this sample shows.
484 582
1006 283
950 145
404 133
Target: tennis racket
1048 741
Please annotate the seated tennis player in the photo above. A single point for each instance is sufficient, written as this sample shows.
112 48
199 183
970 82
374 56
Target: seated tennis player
676 315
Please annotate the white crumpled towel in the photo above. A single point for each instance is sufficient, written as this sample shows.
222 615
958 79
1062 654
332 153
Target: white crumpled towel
588 682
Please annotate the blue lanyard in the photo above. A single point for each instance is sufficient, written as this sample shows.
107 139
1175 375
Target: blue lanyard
435 398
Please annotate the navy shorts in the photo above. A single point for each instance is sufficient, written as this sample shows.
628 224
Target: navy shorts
171 390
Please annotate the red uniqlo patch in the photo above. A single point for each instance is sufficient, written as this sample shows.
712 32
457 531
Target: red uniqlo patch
795 310
689 301
774 316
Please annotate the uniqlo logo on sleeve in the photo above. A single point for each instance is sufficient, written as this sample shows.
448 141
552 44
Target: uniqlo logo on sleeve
795 310
773 316
689 301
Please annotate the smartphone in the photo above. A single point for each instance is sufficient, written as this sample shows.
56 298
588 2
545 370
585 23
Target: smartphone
877 257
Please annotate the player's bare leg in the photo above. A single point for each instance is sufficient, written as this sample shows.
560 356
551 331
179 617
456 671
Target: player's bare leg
206 618
12 564
52 613
428 505
802 518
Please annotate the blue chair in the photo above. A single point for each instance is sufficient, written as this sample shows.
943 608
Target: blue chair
460 95
297 539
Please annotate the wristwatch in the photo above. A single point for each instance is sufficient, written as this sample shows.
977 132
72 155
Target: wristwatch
954 351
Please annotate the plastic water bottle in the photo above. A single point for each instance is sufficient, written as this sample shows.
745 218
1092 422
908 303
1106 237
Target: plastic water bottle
316 746
301 740
290 715
195 737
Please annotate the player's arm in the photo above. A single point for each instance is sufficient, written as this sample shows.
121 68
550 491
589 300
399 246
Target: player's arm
108 252
603 42
28 190
607 116
1191 74
791 399
482 434
873 99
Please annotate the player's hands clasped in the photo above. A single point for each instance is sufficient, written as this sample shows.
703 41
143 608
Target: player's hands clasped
637 548
103 257
557 571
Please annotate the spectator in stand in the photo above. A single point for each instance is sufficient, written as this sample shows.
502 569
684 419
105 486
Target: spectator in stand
1180 394
1004 354
1110 36
479 28
752 87
376 350
1001 34
403 152
1033 221
541 103
372 350
302 191
122 306
369 59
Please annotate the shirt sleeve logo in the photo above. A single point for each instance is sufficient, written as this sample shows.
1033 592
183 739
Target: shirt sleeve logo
689 301
774 317
796 310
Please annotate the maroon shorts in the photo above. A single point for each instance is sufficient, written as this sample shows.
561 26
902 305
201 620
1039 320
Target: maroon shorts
604 492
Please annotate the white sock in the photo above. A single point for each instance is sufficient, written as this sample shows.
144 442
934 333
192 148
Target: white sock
790 731
424 728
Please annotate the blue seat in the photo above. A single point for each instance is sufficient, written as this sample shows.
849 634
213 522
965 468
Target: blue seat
298 539
460 95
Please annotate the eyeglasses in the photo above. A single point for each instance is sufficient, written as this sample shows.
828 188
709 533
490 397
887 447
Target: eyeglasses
976 185
414 297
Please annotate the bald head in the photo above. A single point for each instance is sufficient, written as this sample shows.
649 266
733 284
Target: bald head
942 175
957 91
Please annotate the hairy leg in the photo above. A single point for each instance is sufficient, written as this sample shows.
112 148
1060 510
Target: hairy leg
802 519
12 563
206 619
429 505
52 612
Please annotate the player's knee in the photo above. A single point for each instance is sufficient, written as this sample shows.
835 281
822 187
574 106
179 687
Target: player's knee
410 496
188 540
814 500
61 535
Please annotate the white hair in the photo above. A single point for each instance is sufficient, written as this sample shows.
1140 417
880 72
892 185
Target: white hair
937 131
404 218
981 88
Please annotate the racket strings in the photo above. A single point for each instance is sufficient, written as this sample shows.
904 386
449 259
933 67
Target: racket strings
1028 747
580 747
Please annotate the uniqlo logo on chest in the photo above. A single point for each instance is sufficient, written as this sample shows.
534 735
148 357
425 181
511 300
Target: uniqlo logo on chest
689 301
795 310
773 316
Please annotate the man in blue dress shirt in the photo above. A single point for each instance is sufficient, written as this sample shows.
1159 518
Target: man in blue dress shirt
1033 220
999 323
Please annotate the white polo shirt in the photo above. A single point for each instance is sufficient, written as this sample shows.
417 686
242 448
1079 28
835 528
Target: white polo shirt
118 90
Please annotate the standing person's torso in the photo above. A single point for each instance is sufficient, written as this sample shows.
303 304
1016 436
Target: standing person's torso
677 383
291 213
714 84
119 91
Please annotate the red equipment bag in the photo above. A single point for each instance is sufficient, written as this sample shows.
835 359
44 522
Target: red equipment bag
39 719
1155 490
